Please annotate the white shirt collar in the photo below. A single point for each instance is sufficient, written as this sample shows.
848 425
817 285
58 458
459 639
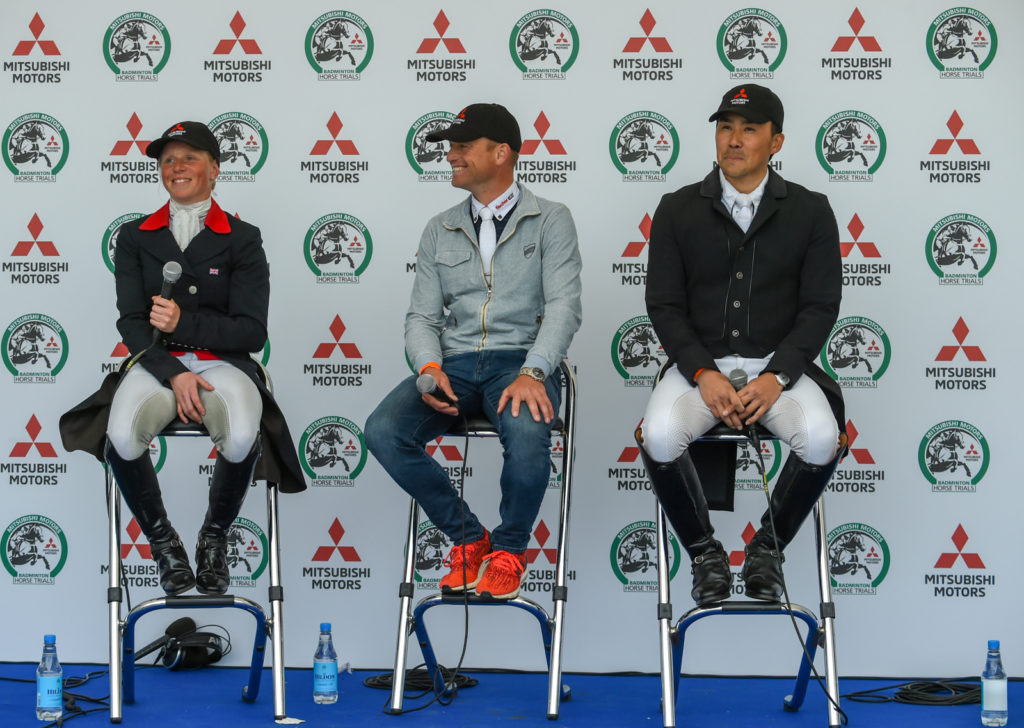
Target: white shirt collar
729 193
500 206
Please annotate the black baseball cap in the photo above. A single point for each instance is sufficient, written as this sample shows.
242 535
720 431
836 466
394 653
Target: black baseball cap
754 103
194 133
492 121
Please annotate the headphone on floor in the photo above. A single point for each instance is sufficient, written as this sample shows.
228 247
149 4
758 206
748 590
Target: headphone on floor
194 649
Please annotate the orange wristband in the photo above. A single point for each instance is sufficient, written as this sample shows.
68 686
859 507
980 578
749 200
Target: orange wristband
429 364
698 374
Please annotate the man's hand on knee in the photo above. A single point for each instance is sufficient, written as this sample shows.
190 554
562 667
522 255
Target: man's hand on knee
527 390
721 398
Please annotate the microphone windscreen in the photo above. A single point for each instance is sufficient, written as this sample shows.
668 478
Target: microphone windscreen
179 627
172 271
738 379
426 384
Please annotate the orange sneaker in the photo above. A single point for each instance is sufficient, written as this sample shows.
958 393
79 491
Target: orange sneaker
470 555
504 575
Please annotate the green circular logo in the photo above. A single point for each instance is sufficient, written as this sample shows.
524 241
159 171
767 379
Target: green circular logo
108 247
850 146
243 146
338 248
429 159
857 352
136 46
34 549
636 352
333 451
961 249
339 45
858 559
961 43
35 147
953 456
751 43
35 347
644 146
544 44
634 556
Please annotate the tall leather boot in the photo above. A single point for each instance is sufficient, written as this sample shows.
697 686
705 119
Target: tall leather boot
138 484
678 488
797 490
230 483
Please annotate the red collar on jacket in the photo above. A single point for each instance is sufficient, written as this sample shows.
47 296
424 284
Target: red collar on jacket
216 219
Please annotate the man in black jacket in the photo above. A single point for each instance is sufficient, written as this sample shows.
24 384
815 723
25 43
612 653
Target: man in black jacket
744 275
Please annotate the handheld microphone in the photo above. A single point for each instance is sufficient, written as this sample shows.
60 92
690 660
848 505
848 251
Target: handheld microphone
738 379
172 272
426 384
177 628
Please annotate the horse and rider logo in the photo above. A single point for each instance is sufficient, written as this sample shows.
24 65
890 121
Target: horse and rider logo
429 159
961 43
858 559
34 550
333 451
857 352
634 556
35 148
35 348
751 43
243 146
339 45
338 248
636 352
644 146
850 146
136 47
961 248
431 548
544 44
953 456
247 552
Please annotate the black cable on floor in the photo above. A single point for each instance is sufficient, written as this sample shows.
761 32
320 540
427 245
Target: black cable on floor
417 678
923 692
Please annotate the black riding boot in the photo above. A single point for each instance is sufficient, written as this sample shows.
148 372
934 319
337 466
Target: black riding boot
679 490
230 483
138 484
797 490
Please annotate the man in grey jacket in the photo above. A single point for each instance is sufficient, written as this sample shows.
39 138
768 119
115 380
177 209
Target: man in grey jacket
495 304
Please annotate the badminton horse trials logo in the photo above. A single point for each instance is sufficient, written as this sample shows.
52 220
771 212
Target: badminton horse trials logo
35 348
136 46
427 158
339 45
953 457
961 43
247 552
34 550
32 141
544 45
636 352
338 248
634 556
858 559
850 146
751 43
243 146
961 249
329 443
431 547
108 246
644 146
856 344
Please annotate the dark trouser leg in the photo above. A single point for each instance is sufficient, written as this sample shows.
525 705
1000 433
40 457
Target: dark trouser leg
797 490
138 484
231 481
679 490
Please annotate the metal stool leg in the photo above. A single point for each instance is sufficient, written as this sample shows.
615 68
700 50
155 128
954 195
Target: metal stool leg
405 593
669 669
276 597
828 614
114 596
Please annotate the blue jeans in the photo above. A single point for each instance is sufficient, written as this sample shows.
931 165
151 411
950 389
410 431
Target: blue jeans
397 431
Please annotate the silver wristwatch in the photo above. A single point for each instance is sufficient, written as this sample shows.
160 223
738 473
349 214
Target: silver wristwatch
782 378
534 373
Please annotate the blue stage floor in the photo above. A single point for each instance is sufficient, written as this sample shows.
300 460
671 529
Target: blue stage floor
211 697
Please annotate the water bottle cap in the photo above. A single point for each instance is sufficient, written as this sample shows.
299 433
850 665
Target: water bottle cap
50 639
325 626
993 644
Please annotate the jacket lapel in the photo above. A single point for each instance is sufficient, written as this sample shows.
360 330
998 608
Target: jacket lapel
773 191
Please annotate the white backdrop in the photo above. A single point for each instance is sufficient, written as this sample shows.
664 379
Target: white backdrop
316 154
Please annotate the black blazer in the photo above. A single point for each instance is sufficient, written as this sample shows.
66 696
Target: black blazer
224 295
713 290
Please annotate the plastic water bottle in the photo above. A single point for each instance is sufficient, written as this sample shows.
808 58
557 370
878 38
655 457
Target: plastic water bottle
325 668
49 682
993 688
